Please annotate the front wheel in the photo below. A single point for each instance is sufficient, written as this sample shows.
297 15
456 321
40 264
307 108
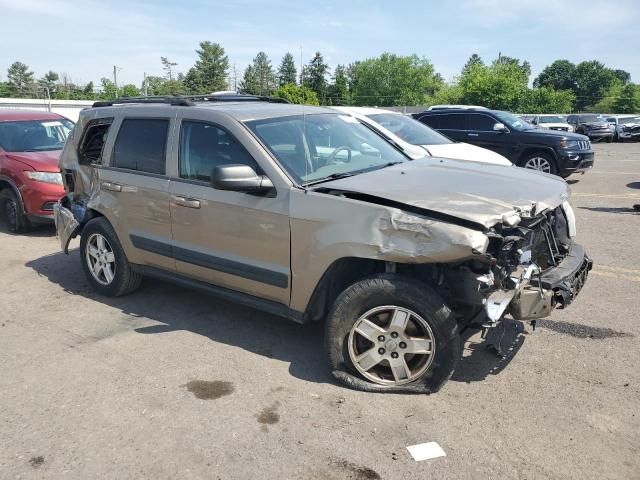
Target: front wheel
104 262
11 208
539 161
392 333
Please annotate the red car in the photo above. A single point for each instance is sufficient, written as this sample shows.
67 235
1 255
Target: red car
30 179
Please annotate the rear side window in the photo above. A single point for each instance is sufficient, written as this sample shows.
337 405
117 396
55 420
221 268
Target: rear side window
93 141
204 146
479 122
432 120
452 122
141 145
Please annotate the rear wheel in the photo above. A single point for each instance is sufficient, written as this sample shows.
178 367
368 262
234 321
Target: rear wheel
104 262
539 161
11 208
392 332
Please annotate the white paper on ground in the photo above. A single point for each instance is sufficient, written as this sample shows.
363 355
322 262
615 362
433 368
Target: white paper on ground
426 451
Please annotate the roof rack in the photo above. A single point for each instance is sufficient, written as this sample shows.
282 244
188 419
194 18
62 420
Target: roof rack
190 100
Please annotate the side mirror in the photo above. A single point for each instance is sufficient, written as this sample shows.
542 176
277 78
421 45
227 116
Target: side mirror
240 178
500 127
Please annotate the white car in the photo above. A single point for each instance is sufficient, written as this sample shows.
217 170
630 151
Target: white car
417 139
552 122
627 127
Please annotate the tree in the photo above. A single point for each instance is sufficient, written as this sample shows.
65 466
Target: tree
87 91
339 89
287 72
128 90
315 76
391 79
501 85
20 79
547 100
108 89
623 76
5 90
249 83
473 60
628 101
49 81
209 74
265 77
297 94
560 75
167 66
593 80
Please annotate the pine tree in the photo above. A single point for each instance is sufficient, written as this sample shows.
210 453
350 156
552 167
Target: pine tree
339 90
249 83
265 77
209 74
20 79
287 73
315 76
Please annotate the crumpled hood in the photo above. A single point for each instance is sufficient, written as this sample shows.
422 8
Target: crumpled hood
466 151
482 193
39 161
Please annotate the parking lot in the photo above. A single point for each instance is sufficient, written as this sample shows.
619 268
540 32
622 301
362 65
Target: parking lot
169 383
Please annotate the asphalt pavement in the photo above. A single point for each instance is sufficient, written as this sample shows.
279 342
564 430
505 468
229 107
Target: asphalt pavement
168 383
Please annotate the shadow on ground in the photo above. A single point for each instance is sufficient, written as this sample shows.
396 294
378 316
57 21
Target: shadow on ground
37 231
622 210
173 308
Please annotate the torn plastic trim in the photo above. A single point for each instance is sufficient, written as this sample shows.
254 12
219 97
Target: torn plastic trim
497 303
385 202
67 227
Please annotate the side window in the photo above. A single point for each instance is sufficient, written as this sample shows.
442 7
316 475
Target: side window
92 144
204 146
141 145
431 120
479 122
452 122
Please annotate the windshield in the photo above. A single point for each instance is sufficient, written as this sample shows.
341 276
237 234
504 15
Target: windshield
513 122
322 146
409 130
553 119
589 118
629 120
34 135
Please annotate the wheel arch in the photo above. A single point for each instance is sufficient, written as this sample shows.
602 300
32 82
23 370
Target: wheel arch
7 183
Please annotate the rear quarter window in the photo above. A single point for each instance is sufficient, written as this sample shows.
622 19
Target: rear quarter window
141 145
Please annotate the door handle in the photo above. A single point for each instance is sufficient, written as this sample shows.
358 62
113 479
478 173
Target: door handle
113 187
186 202
472 134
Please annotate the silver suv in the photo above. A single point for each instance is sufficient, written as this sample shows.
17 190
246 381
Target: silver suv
309 214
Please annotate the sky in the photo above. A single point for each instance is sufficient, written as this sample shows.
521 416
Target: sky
85 39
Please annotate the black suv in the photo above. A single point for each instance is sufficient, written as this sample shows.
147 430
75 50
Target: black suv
591 125
560 153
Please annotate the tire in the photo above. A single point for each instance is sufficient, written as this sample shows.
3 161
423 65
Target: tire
542 160
421 306
12 211
99 245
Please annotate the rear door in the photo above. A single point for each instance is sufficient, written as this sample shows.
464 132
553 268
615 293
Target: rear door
134 187
450 124
230 239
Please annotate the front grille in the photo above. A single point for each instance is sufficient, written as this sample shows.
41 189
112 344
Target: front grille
584 144
561 129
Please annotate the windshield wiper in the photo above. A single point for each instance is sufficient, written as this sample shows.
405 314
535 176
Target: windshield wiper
333 176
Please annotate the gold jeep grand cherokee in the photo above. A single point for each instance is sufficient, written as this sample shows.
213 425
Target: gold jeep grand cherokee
307 213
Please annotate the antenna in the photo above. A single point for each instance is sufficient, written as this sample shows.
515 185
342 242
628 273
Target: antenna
304 122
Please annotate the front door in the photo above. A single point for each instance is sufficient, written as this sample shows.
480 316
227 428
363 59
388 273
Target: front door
230 239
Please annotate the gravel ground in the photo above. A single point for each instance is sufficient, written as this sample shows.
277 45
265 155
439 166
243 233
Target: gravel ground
168 383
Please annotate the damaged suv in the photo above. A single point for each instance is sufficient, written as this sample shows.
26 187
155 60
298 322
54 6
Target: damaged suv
309 214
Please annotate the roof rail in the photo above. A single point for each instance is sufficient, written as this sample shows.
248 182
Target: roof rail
189 100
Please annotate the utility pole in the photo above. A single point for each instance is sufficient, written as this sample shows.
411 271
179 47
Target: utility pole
115 79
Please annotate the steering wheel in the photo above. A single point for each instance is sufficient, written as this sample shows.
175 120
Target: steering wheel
331 158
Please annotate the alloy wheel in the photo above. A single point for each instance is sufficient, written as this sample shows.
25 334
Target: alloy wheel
100 259
538 163
391 345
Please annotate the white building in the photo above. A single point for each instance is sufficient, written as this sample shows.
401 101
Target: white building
66 108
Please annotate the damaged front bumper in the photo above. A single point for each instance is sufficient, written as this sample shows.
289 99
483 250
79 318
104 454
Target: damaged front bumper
534 293
67 227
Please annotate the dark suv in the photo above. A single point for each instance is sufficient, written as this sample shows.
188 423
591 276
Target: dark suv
591 125
560 153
